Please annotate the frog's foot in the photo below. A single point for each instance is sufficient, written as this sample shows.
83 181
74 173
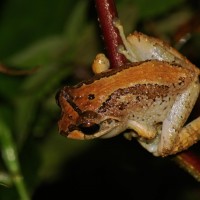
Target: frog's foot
188 136
100 63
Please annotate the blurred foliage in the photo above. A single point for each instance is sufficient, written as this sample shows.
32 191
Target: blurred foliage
59 39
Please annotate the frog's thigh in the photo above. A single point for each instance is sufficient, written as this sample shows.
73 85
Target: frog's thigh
142 129
176 118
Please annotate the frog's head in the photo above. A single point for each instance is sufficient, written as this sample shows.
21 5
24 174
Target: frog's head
84 124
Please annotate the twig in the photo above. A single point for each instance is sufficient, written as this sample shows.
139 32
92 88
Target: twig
107 12
16 72
189 161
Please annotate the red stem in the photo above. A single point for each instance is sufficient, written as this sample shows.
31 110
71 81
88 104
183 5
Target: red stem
106 11
190 161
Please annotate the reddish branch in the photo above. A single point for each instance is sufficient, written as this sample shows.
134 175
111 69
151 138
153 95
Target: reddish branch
106 11
190 161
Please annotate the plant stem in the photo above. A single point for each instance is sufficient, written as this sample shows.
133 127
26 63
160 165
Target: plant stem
21 188
107 12
189 161
10 157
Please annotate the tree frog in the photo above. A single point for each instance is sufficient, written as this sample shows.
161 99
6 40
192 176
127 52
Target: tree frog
150 98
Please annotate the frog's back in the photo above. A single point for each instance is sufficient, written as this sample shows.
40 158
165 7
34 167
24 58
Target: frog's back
152 79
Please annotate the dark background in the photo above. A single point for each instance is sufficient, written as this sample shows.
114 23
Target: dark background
61 38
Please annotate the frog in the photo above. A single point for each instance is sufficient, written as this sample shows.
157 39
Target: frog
150 98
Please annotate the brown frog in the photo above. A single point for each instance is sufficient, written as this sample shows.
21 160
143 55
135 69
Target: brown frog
149 99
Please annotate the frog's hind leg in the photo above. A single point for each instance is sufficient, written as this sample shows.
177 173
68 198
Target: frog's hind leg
173 135
188 136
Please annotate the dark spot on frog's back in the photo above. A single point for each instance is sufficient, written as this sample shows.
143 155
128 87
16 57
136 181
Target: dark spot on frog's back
91 96
122 106
181 81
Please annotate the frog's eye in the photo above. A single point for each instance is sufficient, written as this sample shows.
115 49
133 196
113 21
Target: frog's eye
87 122
89 129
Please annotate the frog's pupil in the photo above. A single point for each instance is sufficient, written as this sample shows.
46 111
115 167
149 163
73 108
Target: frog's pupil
89 130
